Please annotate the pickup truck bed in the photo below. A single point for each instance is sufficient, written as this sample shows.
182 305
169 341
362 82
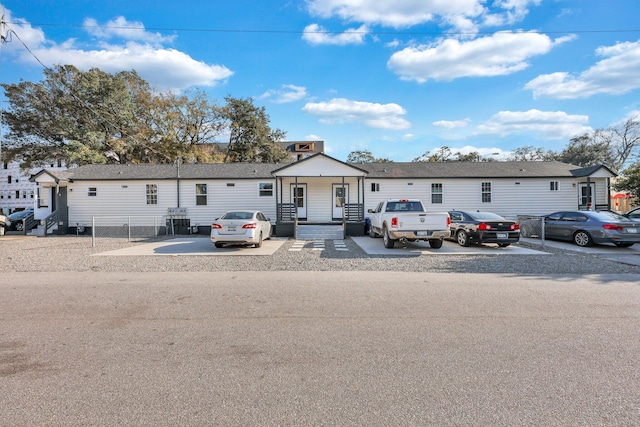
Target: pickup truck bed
407 220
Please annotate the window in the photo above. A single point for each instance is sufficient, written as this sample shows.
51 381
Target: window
93 192
8 179
17 194
436 193
201 194
553 186
265 189
152 194
43 197
486 192
375 186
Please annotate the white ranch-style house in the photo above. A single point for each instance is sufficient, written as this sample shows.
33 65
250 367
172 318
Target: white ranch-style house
315 190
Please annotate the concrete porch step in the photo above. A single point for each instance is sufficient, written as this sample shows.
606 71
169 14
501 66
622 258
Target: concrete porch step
319 231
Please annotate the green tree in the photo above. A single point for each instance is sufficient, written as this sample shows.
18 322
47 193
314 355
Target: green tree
587 150
629 180
443 154
529 153
251 139
71 109
365 156
97 117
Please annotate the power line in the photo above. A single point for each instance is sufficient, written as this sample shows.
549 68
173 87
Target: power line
282 31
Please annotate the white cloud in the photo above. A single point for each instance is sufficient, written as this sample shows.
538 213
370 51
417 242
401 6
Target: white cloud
544 124
616 74
316 34
452 124
288 93
461 14
127 30
341 110
499 54
164 68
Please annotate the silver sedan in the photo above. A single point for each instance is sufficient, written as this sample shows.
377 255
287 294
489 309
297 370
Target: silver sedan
585 228
240 227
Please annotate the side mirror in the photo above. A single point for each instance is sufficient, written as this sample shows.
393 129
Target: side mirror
369 210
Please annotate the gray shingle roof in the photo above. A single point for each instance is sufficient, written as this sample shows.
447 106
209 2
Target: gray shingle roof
187 171
408 170
474 170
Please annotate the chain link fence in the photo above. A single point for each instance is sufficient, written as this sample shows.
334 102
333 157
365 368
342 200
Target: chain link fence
131 228
532 226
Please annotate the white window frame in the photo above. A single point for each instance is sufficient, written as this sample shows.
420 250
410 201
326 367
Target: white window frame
151 194
435 186
485 195
265 192
201 195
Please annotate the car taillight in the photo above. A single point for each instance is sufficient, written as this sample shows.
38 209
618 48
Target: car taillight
515 226
250 225
214 225
484 226
613 227
448 220
394 222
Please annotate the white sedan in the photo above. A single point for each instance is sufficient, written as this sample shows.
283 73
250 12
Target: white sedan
241 227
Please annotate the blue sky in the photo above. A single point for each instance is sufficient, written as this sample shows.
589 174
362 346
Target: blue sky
398 78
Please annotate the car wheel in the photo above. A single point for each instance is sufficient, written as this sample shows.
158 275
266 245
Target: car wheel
259 244
435 243
372 233
218 245
463 238
19 226
388 241
582 238
623 245
503 245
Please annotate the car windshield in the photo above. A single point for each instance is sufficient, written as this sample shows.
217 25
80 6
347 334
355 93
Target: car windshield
607 216
237 215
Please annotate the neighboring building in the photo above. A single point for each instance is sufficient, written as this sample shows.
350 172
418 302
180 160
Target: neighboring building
299 149
16 191
318 189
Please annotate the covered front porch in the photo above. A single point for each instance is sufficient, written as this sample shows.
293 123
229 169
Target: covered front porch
319 191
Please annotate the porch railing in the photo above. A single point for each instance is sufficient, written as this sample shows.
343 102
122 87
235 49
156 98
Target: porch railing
49 222
354 212
286 212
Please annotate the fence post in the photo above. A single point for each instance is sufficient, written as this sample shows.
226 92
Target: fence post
93 231
542 233
128 229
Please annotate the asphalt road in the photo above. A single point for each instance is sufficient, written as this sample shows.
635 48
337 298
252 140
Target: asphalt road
318 348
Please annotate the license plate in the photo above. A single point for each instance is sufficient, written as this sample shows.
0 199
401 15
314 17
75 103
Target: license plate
502 235
231 229
632 230
422 233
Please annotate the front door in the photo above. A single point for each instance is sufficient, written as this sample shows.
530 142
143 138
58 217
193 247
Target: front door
299 198
587 196
340 197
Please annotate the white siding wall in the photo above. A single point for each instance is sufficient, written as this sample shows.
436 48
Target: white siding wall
530 197
128 198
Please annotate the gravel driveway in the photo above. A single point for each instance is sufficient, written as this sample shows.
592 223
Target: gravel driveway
74 253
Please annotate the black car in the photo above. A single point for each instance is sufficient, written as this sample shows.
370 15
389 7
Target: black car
16 219
482 227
